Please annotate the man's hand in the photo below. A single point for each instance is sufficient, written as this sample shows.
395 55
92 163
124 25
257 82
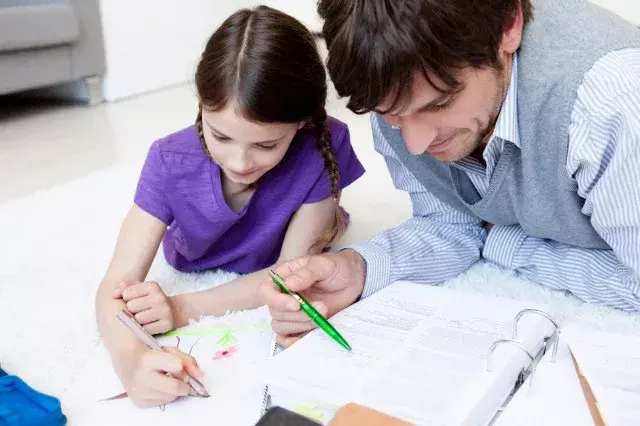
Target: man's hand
330 282
151 308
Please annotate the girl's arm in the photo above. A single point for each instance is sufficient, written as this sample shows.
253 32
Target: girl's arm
137 245
150 377
309 223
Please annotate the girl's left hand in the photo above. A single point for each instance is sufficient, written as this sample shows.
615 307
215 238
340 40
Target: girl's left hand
147 302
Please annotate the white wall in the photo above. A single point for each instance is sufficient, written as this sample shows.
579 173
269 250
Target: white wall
303 10
152 44
628 9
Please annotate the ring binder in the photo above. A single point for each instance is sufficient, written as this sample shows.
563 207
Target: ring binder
506 341
556 332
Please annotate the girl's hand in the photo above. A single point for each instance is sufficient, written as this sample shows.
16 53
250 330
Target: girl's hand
154 377
151 308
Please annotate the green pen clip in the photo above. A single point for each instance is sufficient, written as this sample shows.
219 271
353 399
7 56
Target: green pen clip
311 312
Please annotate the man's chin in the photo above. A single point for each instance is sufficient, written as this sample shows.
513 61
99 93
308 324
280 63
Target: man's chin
452 155
446 156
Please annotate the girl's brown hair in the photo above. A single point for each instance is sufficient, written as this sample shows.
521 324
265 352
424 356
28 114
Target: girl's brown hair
267 64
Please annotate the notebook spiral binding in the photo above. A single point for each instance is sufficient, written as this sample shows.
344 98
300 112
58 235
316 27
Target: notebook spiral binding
265 395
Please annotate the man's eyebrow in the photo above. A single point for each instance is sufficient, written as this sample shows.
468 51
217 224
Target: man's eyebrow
443 97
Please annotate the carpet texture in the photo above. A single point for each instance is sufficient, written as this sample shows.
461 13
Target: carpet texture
56 246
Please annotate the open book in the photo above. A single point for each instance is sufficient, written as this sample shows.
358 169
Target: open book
228 349
427 355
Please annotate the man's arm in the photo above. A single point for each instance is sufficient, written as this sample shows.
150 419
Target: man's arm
594 276
604 157
435 245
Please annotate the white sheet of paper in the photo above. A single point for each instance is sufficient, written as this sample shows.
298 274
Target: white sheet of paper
419 353
236 389
611 364
552 396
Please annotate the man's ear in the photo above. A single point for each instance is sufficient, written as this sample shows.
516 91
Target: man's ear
512 35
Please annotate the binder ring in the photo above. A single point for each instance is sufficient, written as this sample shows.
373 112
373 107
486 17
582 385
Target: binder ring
505 341
556 332
531 311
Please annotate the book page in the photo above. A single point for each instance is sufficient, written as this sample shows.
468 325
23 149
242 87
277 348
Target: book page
227 349
551 396
416 349
611 364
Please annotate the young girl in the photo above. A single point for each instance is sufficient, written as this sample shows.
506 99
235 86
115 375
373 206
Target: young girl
255 181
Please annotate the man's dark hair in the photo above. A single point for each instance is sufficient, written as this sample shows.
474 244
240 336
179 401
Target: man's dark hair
375 46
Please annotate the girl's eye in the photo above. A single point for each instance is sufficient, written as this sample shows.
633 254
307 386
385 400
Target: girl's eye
266 147
221 138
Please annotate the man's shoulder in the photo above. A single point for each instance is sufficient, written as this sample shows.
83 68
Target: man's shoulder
615 74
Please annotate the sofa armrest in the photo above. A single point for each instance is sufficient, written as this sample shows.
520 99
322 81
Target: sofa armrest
87 54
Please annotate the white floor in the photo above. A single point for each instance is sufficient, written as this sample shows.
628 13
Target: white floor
42 147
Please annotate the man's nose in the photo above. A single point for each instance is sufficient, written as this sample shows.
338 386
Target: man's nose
417 134
418 138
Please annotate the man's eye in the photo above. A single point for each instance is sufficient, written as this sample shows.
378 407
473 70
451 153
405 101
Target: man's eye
441 106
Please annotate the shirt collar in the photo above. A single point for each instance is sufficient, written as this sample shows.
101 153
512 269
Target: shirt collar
506 127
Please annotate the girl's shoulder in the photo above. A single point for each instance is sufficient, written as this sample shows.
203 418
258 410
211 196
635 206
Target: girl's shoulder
307 158
338 130
177 155
185 141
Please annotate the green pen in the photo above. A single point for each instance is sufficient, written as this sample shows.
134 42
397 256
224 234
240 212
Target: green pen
312 312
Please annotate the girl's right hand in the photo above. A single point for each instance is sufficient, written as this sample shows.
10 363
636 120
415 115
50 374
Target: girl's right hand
155 377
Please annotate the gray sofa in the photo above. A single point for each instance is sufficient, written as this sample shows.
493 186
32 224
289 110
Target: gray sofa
50 42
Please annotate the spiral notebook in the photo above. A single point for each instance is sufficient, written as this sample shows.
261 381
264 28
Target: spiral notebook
228 349
426 355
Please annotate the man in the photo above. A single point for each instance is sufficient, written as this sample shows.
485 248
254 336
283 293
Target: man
515 127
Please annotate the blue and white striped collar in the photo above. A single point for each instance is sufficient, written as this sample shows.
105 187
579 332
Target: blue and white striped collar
506 127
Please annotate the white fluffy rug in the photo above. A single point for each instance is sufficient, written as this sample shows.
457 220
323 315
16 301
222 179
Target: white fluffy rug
56 245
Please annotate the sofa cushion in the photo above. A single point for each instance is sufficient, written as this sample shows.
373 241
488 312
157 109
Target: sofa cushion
30 24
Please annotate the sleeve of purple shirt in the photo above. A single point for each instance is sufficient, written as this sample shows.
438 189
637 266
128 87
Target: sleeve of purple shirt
151 190
349 167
